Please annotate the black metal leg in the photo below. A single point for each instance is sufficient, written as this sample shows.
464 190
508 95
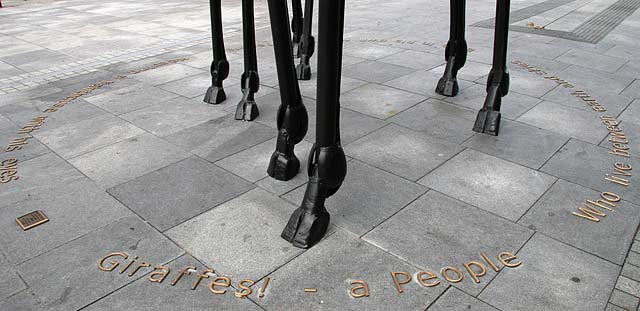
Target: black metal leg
219 67
296 24
292 115
307 43
327 162
488 120
250 81
456 51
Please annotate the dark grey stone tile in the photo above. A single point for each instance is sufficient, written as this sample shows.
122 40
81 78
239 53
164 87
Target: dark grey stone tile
166 74
552 216
519 143
10 282
414 59
23 301
357 207
468 231
402 151
240 238
189 87
593 80
457 300
130 98
488 182
178 192
632 113
375 71
77 281
358 261
76 111
424 83
379 101
513 105
614 103
592 60
33 149
546 280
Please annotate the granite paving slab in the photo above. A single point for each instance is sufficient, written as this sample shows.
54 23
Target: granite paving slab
375 71
548 281
379 101
614 103
632 113
414 59
191 86
513 105
424 83
32 149
488 182
76 111
130 98
456 300
10 282
23 301
167 74
175 193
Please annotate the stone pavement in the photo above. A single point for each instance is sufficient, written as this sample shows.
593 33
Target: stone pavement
138 165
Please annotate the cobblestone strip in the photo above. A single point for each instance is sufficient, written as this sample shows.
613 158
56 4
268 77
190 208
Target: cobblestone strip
626 295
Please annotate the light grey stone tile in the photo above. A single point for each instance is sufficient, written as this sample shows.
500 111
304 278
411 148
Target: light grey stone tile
73 209
127 159
546 64
180 191
424 83
76 111
546 280
414 59
614 103
130 98
586 165
592 60
628 285
625 300
358 261
145 295
575 123
439 119
471 71
379 101
375 71
513 105
632 113
519 143
75 139
10 282
240 238
468 232
174 115
36 177
526 83
552 215
77 281
593 80
23 301
251 164
457 300
402 151
221 137
500 182
309 88
357 207
370 51
631 271
630 69
191 86
166 74
32 149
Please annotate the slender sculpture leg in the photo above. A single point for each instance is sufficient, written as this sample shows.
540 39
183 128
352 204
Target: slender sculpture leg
250 81
488 120
456 51
219 67
296 24
292 117
307 43
327 162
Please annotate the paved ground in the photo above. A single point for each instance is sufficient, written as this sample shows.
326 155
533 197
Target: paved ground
142 166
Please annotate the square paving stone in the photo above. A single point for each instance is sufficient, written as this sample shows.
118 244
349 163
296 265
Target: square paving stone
553 276
586 165
76 111
145 295
130 98
359 208
471 71
166 74
375 71
379 101
513 105
552 216
414 59
174 115
592 60
251 164
191 86
519 143
457 300
358 260
498 186
620 298
10 282
614 103
240 238
527 83
439 119
33 149
592 80
23 301
76 280
77 138
221 137
37 176
468 232
370 51
576 123
73 209
632 113
424 83
309 88
136 156
401 151
180 191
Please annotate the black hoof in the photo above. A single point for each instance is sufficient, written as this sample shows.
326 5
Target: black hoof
282 167
305 229
447 87
247 110
487 122
303 72
215 95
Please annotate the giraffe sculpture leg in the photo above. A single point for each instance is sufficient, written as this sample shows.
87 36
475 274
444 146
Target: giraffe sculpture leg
456 51
292 117
220 66
250 81
327 163
488 120
296 24
307 43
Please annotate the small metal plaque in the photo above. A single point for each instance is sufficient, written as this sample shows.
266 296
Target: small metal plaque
31 220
